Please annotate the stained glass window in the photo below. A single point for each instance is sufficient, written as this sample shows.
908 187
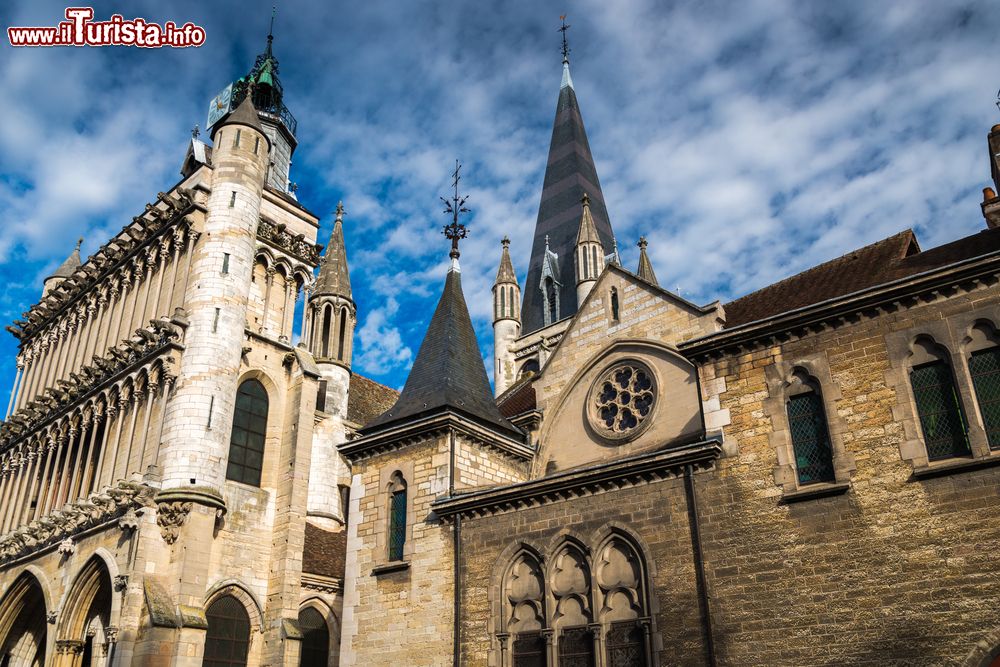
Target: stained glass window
985 369
810 438
626 645
941 419
576 647
397 522
227 640
528 650
315 638
246 445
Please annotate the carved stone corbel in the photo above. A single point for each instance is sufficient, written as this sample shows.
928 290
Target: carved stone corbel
170 516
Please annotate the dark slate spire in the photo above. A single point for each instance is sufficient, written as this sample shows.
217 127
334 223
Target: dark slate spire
244 114
645 266
448 374
569 174
334 277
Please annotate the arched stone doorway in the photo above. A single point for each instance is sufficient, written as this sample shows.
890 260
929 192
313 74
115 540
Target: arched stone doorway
86 636
23 627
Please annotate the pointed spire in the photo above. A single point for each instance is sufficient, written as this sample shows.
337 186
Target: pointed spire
448 374
588 232
645 266
569 173
244 114
334 276
614 257
70 264
505 274
270 30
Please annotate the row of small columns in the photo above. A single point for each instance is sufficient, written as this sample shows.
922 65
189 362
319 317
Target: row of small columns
548 634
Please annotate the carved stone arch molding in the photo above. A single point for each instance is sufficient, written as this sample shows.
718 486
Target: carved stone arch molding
570 586
985 651
790 377
568 439
25 615
241 592
498 578
88 603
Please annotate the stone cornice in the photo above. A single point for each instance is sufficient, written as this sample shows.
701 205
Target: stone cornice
159 219
121 503
322 584
641 469
145 347
421 429
276 235
887 297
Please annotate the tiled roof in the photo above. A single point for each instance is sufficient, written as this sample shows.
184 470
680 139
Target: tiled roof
368 399
324 552
518 399
896 257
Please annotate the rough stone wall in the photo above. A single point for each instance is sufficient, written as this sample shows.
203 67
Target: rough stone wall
655 513
894 571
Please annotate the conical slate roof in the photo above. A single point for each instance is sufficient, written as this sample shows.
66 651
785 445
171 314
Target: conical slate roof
244 114
448 373
334 277
569 174
645 266
505 274
69 265
588 232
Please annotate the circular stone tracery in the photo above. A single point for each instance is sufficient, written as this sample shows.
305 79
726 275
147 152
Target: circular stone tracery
622 400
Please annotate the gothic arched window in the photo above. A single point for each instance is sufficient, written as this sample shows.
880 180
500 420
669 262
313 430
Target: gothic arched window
246 445
810 435
551 306
938 407
984 368
227 641
342 334
315 638
397 517
327 316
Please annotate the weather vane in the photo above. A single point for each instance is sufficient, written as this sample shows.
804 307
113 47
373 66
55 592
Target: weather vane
454 207
563 29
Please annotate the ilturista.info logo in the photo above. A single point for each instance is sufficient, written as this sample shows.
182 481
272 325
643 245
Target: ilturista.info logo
80 29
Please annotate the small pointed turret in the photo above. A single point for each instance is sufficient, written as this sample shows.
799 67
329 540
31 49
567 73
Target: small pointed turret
448 374
589 253
244 114
331 309
506 320
645 266
65 270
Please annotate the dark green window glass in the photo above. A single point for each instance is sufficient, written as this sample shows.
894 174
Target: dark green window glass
246 444
810 438
397 524
941 419
985 369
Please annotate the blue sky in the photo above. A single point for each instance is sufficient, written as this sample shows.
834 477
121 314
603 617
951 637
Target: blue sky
747 141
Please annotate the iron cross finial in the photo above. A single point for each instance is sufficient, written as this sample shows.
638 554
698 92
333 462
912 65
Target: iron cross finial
998 99
195 132
339 213
565 46
454 207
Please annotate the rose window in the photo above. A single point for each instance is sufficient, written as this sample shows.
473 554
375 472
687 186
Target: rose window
623 400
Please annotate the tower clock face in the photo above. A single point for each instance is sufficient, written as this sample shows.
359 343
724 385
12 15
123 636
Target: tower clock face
219 106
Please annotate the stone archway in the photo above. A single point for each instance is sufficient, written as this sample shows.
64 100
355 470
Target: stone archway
23 626
85 636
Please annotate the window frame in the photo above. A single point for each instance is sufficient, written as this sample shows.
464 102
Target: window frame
245 432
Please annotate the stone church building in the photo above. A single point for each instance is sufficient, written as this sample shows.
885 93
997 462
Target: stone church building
806 475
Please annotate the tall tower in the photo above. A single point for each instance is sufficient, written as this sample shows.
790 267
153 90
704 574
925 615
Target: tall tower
199 415
589 257
332 318
506 320
569 174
